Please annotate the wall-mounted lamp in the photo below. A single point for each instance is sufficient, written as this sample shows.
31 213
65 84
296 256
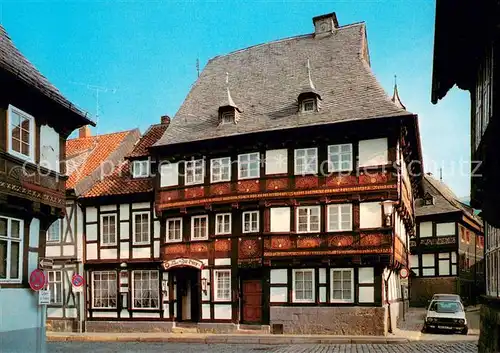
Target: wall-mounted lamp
388 206
204 285
123 265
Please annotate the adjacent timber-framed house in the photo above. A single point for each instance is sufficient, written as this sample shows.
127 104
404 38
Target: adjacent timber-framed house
286 191
35 121
122 244
468 56
447 254
88 160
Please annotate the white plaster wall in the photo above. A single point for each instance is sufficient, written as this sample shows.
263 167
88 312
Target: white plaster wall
322 294
140 205
124 230
373 152
91 232
105 208
68 250
366 275
104 314
205 311
425 229
52 251
156 249
124 314
414 262
124 212
222 262
156 230
370 214
32 261
79 233
276 161
148 315
108 254
279 295
280 219
206 274
222 312
445 228
91 252
91 214
367 294
169 174
279 276
141 253
54 312
49 148
71 312
124 250
428 260
322 275
34 236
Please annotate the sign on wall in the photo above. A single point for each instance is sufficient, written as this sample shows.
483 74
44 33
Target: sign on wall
44 297
182 262
37 280
77 281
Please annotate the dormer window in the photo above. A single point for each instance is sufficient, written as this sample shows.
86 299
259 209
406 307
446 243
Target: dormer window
309 105
428 200
227 117
140 169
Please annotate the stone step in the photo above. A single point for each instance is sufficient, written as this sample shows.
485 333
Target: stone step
184 330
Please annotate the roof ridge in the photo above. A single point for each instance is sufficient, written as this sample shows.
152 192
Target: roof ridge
101 135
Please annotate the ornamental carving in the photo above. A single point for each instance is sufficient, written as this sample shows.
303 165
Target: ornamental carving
194 192
277 242
248 186
223 245
369 240
340 240
308 242
176 249
373 178
199 247
437 241
167 196
249 248
276 184
306 182
220 189
341 180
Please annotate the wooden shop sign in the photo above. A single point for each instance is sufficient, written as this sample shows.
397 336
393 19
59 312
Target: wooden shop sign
182 263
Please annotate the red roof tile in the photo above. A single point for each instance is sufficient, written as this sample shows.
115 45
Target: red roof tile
153 134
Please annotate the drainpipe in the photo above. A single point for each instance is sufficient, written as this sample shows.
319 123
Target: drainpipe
391 265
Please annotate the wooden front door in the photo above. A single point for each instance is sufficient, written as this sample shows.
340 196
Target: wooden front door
252 301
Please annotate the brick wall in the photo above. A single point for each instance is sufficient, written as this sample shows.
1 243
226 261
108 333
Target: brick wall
422 289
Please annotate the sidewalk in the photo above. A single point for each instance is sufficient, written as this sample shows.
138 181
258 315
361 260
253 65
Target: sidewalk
238 338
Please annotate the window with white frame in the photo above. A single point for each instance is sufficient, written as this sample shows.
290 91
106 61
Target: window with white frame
54 281
11 249
108 229
339 217
145 289
21 133
140 169
248 165
309 105
222 289
227 117
306 161
54 232
194 171
303 286
199 227
141 227
223 223
340 158
174 230
342 285
104 284
250 222
308 219
220 169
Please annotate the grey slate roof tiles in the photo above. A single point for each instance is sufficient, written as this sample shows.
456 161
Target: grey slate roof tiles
267 79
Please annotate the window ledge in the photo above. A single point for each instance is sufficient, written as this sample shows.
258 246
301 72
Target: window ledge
11 281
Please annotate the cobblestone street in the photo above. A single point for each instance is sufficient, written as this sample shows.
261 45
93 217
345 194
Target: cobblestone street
95 347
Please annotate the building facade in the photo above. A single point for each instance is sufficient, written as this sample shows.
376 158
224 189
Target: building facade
35 121
122 245
88 159
467 56
447 254
284 201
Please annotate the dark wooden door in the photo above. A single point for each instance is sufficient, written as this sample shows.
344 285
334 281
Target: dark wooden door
252 301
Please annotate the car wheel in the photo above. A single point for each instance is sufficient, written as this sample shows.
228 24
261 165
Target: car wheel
465 331
425 329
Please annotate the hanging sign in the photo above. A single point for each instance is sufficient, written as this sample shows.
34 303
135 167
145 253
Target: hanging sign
403 274
37 280
45 263
182 263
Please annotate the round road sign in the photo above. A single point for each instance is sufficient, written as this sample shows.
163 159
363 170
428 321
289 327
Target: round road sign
37 279
77 280
403 273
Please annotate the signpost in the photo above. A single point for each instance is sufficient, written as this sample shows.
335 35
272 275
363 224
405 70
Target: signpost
77 281
45 263
37 280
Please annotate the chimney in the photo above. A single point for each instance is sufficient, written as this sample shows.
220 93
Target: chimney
84 132
165 119
325 24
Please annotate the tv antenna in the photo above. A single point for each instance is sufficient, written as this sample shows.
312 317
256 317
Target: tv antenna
98 90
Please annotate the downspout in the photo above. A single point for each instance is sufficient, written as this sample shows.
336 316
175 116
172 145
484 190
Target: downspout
391 266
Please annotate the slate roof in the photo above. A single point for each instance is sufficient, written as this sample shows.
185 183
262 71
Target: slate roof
12 61
85 156
445 201
121 182
266 80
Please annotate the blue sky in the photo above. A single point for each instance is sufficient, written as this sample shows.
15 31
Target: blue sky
144 53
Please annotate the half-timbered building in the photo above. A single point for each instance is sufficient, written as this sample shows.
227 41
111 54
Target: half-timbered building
35 121
88 160
447 254
285 190
122 244
468 57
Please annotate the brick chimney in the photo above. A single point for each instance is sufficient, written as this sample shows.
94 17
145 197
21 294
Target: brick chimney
84 132
165 119
325 24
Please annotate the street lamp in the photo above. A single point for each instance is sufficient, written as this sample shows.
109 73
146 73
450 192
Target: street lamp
388 206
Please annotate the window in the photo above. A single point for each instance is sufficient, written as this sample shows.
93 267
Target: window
306 161
21 133
370 215
195 171
276 161
280 219
104 289
373 152
308 219
223 223
220 169
108 229
339 217
55 286
342 282
251 222
222 287
174 229
248 166
54 233
425 229
227 117
199 227
339 158
140 169
141 227
308 105
303 286
145 290
445 229
169 174
11 249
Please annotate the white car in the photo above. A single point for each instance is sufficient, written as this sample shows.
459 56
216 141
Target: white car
446 315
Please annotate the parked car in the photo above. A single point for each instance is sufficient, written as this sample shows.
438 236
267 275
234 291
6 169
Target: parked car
454 297
446 315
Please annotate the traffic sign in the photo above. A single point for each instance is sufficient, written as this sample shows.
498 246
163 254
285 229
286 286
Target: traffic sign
403 274
45 263
37 279
44 297
77 280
